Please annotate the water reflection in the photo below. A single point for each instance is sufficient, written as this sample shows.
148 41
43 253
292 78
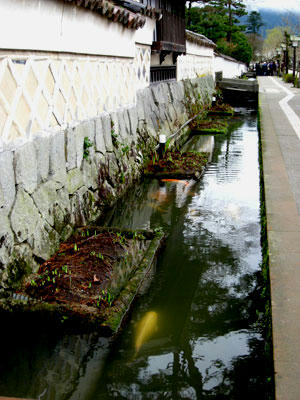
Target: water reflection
192 334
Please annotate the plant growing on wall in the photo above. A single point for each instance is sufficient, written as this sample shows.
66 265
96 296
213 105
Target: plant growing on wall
86 145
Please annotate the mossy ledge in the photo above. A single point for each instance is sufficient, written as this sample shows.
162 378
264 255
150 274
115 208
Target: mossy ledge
107 320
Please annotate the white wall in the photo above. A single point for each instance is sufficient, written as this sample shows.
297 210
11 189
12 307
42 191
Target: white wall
229 68
198 61
61 64
51 25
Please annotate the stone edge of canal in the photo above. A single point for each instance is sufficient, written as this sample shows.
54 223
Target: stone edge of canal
107 323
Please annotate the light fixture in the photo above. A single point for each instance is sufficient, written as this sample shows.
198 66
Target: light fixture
295 39
283 46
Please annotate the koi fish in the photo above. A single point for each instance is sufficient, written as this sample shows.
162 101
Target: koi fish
145 329
186 183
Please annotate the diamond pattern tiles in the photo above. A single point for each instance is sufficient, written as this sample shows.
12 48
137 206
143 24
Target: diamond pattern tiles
142 66
39 92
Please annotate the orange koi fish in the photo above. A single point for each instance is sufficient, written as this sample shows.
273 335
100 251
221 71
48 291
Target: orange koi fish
186 183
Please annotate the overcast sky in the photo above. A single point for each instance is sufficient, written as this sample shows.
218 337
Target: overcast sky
282 5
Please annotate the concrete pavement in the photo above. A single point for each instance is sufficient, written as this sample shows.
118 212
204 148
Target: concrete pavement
280 121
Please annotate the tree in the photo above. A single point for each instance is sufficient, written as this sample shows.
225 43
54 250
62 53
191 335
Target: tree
209 22
231 9
254 22
256 42
188 13
273 40
217 20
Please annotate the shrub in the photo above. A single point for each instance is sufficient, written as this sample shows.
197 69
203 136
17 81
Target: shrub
288 78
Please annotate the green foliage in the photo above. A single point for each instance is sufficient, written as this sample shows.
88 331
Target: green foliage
218 19
105 296
125 149
273 40
239 48
288 78
86 144
254 22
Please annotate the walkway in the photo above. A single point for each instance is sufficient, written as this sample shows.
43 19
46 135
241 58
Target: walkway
280 117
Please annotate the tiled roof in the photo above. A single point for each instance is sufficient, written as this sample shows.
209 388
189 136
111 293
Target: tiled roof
199 39
120 13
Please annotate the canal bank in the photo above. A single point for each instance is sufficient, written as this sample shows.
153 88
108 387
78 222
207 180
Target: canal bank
202 340
279 112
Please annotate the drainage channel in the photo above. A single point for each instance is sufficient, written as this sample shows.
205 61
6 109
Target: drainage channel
193 332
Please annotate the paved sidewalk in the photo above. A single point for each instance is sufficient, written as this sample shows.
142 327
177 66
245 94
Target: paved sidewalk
280 118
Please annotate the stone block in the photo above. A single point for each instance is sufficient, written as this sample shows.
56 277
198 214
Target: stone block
24 216
89 129
45 241
42 148
61 210
99 136
74 180
115 125
78 209
160 94
90 173
140 105
45 198
84 130
106 126
123 136
70 148
6 240
133 120
7 181
127 122
26 166
57 157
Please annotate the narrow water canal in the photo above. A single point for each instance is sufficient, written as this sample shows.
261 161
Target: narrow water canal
201 340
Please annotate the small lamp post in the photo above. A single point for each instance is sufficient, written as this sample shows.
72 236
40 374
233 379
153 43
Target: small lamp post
294 41
284 48
278 53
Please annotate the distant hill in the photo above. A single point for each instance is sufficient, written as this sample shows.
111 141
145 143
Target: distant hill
272 18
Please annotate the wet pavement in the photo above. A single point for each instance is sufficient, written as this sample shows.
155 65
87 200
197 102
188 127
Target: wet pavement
280 121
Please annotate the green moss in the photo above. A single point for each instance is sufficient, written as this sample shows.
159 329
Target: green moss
17 270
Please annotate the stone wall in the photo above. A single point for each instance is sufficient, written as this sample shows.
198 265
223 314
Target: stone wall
57 180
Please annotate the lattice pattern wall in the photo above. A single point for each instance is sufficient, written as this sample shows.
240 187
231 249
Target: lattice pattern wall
142 66
190 66
39 92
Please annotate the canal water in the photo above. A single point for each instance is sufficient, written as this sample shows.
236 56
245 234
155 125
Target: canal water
192 333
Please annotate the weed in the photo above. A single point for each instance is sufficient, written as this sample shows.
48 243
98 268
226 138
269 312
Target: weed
65 269
106 296
125 149
114 138
63 319
86 144
122 177
138 236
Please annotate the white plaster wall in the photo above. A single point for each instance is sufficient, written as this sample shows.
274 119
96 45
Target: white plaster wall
195 49
229 68
198 61
50 25
155 60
